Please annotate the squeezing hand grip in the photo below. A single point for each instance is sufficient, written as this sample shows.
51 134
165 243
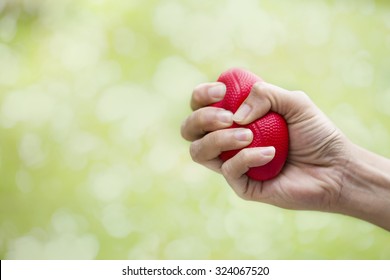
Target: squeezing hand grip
269 130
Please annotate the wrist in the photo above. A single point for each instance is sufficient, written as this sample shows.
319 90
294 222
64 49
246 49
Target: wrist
365 192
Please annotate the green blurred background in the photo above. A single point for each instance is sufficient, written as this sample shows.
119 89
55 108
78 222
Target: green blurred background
92 95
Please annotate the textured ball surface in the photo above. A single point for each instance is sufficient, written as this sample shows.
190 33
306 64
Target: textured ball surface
269 130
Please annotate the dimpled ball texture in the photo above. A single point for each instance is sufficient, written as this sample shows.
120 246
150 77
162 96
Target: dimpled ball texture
269 130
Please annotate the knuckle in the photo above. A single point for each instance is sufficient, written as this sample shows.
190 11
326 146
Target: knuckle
184 130
244 155
206 118
190 127
216 139
196 98
302 97
225 169
257 89
201 117
301 94
195 151
260 93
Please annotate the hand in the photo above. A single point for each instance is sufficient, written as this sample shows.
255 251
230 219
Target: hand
312 177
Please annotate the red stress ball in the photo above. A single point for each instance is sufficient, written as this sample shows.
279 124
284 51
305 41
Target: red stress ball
269 130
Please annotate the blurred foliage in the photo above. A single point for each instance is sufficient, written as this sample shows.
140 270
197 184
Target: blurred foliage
92 95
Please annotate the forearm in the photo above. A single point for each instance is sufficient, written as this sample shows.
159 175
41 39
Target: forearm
365 192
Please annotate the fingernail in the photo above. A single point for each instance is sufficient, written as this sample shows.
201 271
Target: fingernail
242 113
267 151
243 134
218 91
225 117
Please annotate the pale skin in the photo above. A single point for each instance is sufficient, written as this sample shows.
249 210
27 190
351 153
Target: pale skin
324 171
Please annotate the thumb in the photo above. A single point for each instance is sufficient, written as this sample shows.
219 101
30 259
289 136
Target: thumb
266 97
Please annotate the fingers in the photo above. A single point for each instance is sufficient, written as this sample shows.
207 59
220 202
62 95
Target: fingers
206 94
205 120
265 97
235 168
207 149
